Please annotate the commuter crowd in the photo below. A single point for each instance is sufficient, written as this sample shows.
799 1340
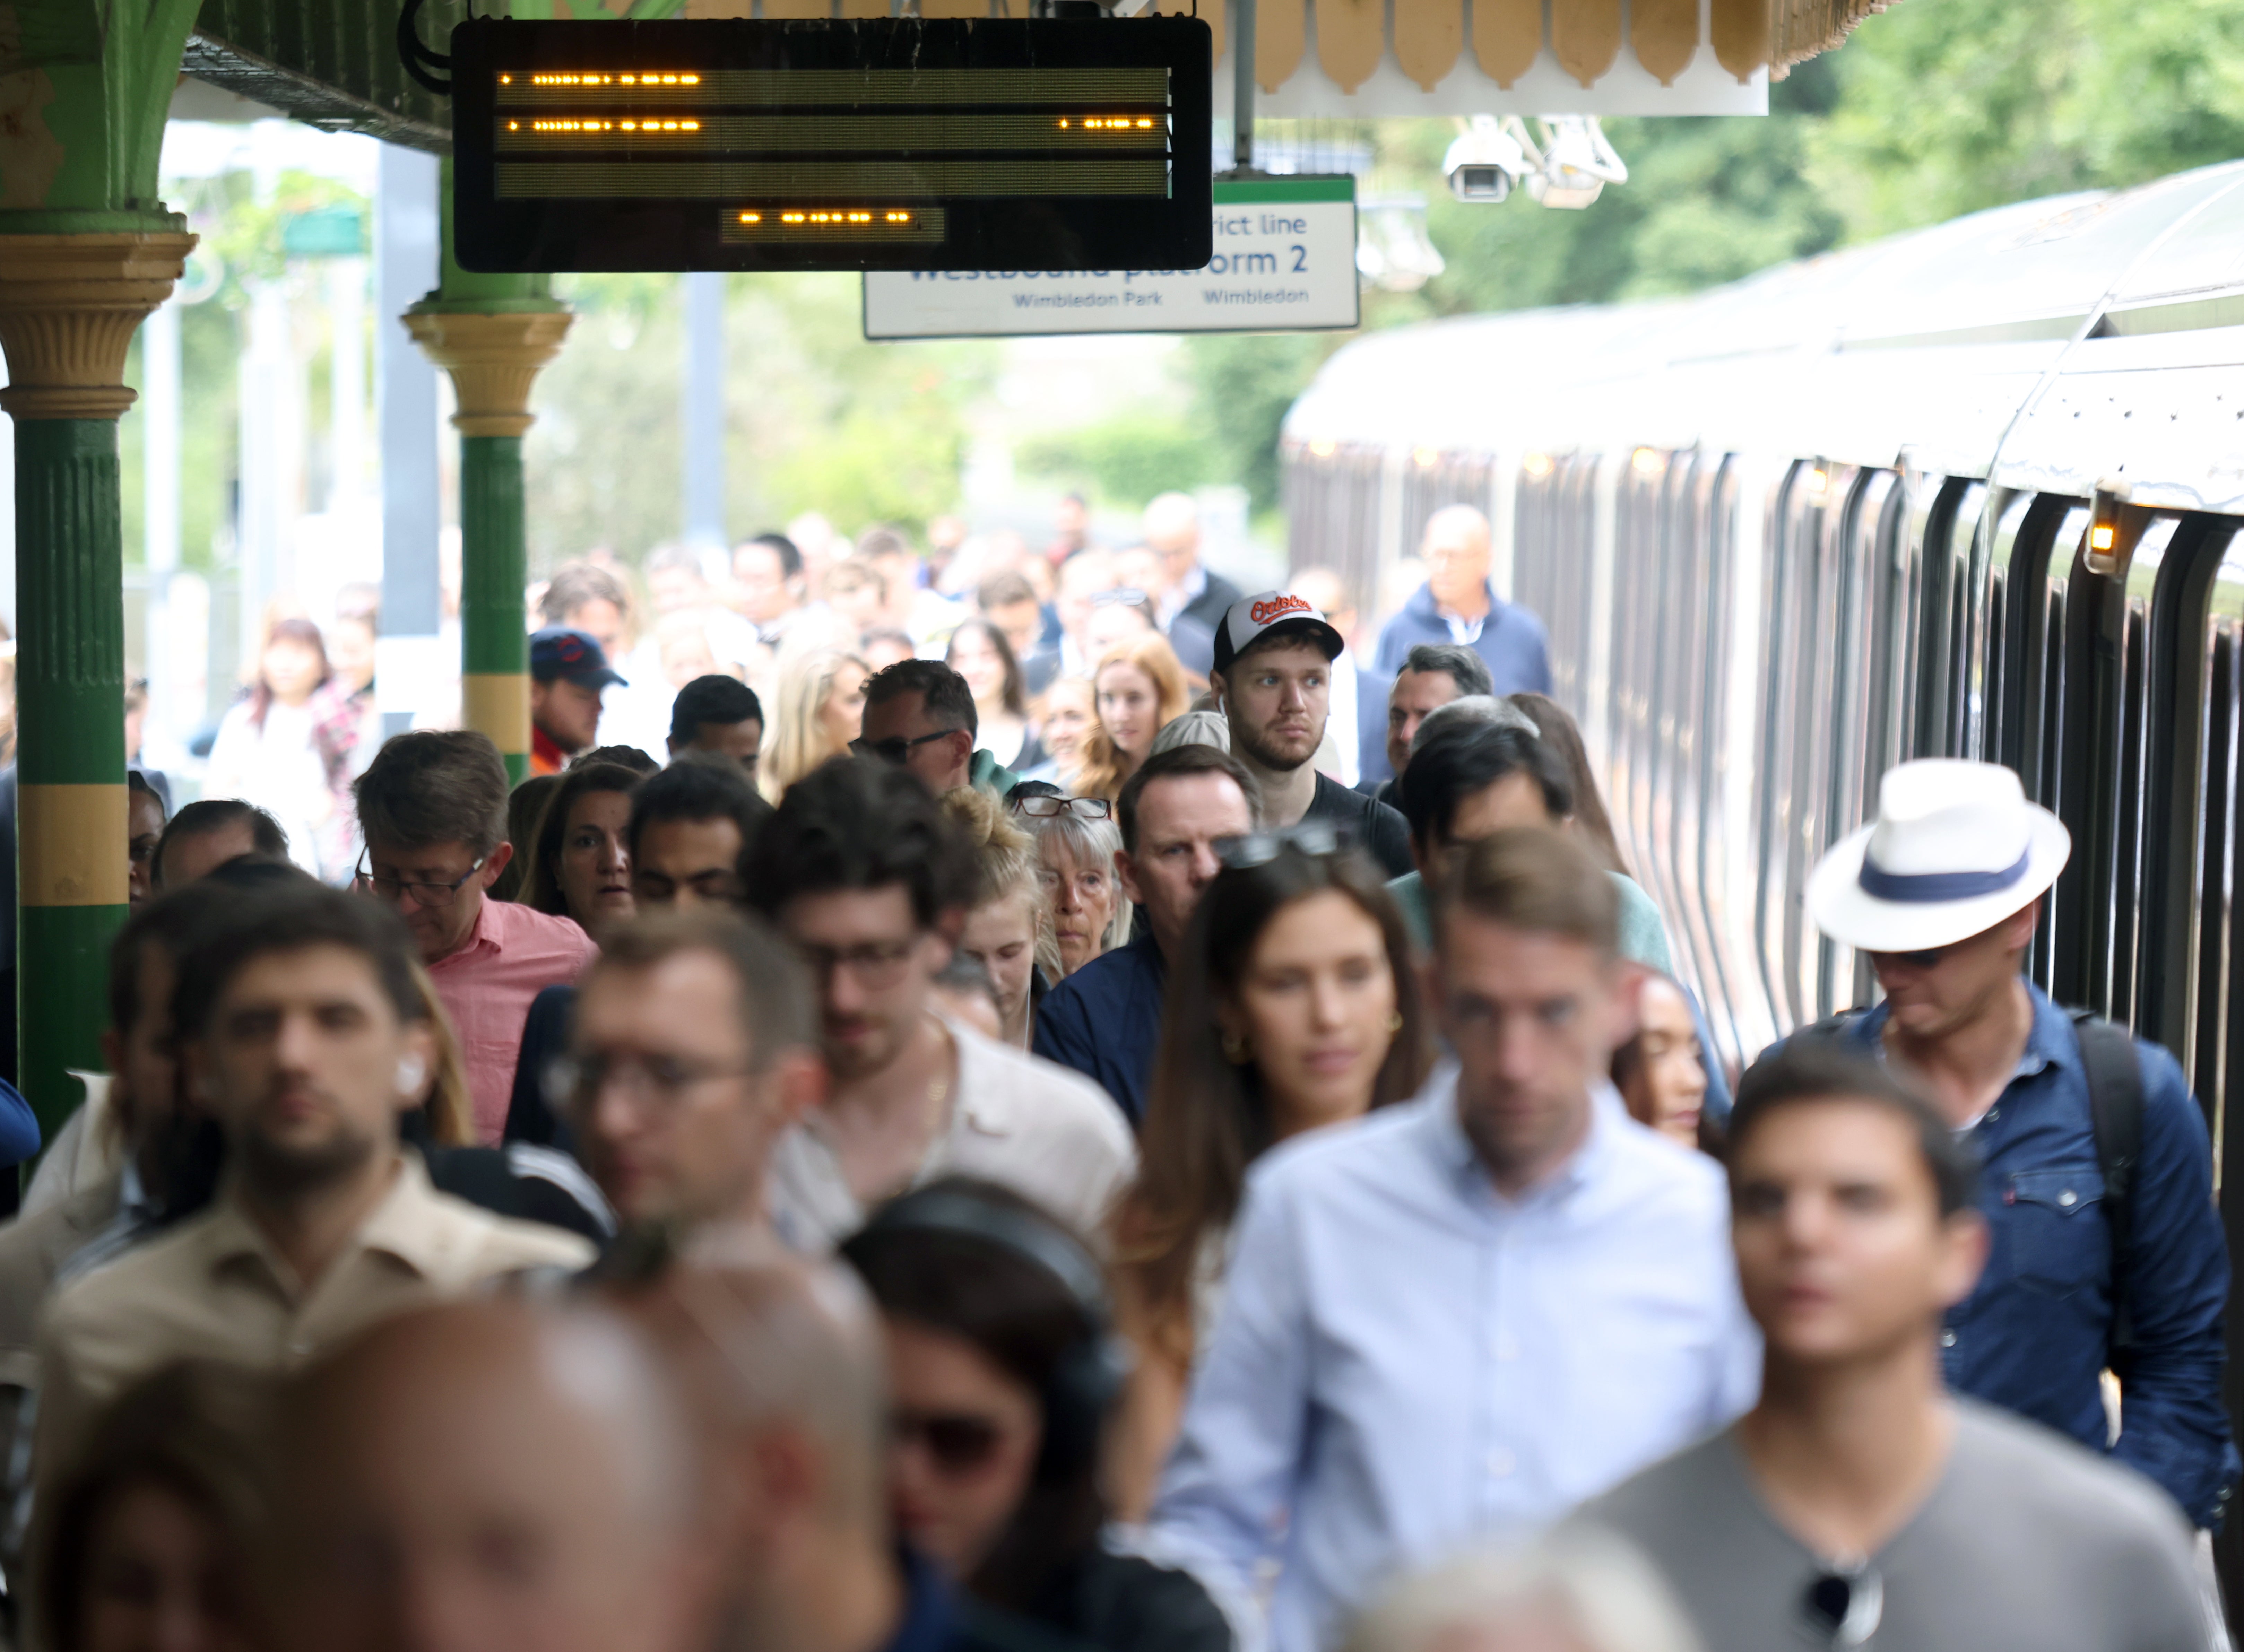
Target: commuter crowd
1048 1106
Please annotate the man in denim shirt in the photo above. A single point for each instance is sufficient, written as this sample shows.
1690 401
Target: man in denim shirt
1942 892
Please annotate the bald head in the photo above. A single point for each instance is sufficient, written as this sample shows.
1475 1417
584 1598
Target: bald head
790 1348
1456 550
1172 524
486 1477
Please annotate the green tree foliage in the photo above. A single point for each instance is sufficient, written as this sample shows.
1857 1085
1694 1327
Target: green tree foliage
815 419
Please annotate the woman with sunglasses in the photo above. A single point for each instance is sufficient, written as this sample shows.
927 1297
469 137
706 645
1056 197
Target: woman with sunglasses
1293 1007
1003 1374
1077 841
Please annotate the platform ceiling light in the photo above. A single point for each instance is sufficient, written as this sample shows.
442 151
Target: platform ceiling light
1648 461
1813 480
2114 525
1392 251
1538 464
1578 162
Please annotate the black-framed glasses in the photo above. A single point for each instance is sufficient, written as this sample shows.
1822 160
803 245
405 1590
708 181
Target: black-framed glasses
649 1080
897 749
958 1442
425 894
874 965
1843 1604
1050 808
1313 838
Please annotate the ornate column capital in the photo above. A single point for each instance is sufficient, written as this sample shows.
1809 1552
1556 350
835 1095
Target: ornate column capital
68 307
493 357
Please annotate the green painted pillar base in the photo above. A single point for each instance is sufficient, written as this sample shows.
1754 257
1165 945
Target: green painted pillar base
71 831
494 572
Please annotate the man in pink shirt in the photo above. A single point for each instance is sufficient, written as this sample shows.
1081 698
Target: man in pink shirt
433 809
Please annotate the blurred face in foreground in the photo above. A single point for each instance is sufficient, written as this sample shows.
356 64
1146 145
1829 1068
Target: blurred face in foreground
675 1123
1842 1253
157 1578
964 1443
453 1486
300 1064
1534 1017
873 965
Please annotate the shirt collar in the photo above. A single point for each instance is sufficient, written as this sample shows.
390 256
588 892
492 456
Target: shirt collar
2050 1040
1462 1159
400 1227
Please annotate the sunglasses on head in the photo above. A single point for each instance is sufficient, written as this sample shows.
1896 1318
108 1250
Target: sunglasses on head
956 1442
1312 838
1843 1605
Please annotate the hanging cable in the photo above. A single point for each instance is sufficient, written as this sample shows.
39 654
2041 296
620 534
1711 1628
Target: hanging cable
417 58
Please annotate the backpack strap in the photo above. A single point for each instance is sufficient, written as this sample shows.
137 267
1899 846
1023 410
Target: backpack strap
2115 1110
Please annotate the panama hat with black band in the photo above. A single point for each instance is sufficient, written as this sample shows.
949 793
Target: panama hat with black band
1956 847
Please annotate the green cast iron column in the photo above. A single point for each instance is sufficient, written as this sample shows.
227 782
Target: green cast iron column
492 334
495 572
70 669
69 305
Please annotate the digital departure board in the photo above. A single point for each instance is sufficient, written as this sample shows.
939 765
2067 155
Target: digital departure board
1059 144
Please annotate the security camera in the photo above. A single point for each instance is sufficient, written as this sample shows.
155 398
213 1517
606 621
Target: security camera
1489 158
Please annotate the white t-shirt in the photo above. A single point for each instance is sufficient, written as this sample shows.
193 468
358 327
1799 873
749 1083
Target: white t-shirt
1026 1123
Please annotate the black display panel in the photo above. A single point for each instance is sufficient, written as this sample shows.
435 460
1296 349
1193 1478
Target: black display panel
875 143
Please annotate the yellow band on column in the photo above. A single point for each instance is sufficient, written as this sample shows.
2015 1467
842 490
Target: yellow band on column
497 705
72 842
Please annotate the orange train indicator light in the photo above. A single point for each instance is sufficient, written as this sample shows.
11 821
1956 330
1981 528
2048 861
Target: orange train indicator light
903 144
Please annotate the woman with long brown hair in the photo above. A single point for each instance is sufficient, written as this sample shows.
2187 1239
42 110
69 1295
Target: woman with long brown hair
1293 1007
1141 688
578 854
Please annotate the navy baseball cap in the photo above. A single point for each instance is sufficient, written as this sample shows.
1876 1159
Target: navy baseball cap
559 652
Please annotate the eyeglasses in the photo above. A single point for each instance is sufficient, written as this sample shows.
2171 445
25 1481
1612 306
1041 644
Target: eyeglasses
424 894
958 1442
897 749
649 1080
1843 1605
1312 838
876 965
1043 808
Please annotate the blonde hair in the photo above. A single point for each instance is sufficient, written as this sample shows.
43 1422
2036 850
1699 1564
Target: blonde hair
1590 1586
1101 775
798 743
1006 861
449 1104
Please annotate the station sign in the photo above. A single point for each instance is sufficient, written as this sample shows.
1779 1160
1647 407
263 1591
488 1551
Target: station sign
882 143
1283 260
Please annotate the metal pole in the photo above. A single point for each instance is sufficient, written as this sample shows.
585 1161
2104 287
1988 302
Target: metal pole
410 669
1242 84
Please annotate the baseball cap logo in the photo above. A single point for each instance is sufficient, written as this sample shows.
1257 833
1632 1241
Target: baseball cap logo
1263 612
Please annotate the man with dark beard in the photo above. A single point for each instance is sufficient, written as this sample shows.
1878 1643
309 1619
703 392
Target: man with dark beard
302 1034
1274 656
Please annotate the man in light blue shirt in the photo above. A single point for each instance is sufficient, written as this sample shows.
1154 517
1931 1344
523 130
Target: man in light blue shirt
1470 1311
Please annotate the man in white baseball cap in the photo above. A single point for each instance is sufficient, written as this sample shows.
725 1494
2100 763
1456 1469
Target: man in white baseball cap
2097 1170
1272 672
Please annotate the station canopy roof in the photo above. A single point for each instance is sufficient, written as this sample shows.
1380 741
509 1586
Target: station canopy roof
333 62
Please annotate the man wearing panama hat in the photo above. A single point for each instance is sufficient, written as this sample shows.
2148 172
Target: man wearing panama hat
2097 1171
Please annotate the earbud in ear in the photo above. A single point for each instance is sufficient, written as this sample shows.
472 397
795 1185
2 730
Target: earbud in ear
412 1072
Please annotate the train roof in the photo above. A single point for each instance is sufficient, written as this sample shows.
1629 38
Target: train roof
2049 344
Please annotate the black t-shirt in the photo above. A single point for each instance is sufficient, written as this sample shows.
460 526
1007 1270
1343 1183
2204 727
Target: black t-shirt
1380 830
1125 1603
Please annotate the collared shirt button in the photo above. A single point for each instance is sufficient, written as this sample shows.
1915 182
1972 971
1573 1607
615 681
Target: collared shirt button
2068 1197
1994 1113
1501 1462
1947 1339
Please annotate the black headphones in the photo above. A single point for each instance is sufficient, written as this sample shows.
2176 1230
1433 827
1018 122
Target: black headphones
1089 1376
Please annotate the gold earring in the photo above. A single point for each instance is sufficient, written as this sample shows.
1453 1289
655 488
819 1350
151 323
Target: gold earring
1237 1050
1394 1021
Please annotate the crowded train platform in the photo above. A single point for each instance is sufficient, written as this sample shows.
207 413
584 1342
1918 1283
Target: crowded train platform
1543 960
